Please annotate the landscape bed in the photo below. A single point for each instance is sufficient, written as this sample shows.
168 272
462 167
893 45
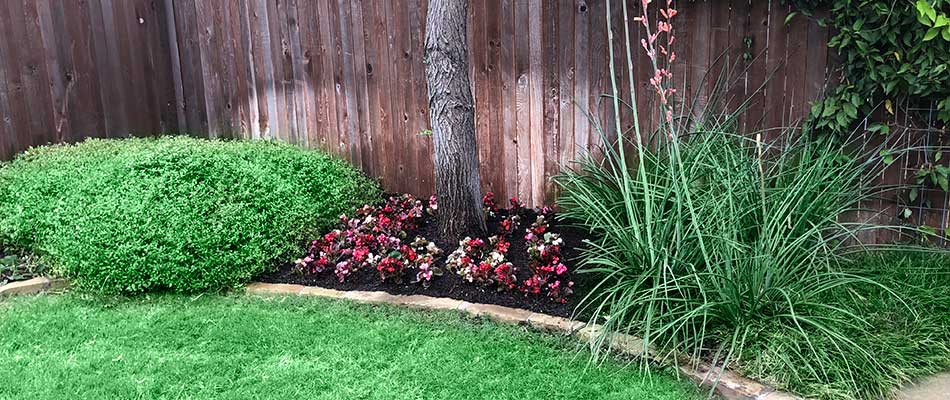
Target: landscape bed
449 283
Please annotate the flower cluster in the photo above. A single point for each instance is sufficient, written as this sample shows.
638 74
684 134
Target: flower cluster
376 237
548 272
373 237
484 263
662 77
491 208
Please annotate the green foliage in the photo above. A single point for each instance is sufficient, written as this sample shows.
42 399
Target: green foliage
701 241
908 334
215 347
171 213
891 52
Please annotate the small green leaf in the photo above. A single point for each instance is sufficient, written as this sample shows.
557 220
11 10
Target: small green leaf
946 231
887 157
924 8
931 33
938 156
879 128
944 182
946 33
913 195
907 213
942 20
788 18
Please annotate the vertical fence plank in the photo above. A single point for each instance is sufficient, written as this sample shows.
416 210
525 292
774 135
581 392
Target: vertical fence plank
565 145
536 96
580 99
523 100
551 97
508 100
493 72
35 75
775 64
361 67
348 57
397 71
340 89
478 63
252 119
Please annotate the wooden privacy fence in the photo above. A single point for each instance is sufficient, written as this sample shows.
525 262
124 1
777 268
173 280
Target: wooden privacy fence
348 76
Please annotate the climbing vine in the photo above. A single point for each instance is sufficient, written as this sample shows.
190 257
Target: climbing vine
891 52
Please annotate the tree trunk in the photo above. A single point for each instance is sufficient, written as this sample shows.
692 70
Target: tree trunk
452 115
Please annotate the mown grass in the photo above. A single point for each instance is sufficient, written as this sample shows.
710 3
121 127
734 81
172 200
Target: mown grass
210 346
908 334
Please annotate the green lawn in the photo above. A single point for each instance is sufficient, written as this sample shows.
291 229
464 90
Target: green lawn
73 346
906 335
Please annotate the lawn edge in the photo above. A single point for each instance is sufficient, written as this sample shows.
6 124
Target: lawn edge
729 385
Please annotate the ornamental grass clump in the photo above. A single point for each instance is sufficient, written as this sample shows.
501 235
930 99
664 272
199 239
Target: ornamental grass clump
702 235
171 213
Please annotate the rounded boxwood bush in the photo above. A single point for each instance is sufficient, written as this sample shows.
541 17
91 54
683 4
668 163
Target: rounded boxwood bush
171 213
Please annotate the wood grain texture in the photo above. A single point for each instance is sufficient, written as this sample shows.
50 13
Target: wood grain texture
349 77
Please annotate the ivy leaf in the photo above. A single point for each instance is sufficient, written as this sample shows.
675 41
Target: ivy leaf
931 33
829 110
879 127
907 213
942 20
924 8
913 194
788 18
946 33
938 156
887 157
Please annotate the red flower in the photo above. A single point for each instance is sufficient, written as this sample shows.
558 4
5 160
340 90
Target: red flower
502 246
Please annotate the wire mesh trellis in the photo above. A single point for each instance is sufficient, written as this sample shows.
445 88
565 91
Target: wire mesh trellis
915 204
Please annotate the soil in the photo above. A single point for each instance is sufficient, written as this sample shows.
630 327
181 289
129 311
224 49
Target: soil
453 286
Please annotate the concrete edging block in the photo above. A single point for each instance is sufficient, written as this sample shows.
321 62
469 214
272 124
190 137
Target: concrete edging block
33 286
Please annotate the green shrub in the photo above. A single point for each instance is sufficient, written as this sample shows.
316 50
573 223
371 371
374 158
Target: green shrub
172 213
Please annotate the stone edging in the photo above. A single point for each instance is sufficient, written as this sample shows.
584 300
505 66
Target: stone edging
731 386
32 286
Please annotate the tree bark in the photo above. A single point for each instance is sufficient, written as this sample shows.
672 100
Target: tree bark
452 115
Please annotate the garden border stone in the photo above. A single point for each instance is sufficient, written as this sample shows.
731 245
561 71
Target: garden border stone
731 386
32 286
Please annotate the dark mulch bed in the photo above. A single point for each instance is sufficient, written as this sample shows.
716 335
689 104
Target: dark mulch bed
453 286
